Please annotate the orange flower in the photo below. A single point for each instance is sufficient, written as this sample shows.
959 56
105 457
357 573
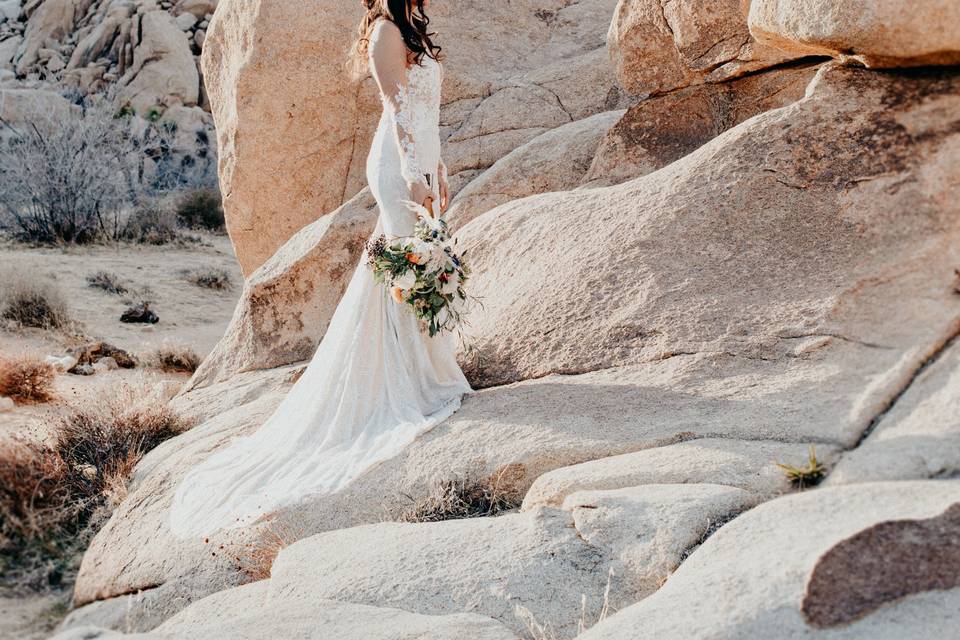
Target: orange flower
397 293
414 258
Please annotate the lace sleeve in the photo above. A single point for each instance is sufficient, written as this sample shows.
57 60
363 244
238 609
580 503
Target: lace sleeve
388 65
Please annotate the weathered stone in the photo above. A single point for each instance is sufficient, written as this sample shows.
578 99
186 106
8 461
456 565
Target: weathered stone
51 22
663 129
657 266
748 580
8 49
659 47
881 565
164 72
554 161
199 8
880 33
246 613
920 437
749 465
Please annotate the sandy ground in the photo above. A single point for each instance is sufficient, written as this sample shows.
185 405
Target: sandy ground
190 317
30 617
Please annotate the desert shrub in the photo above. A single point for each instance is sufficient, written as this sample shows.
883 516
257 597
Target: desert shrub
153 224
26 379
460 497
209 278
174 360
32 303
54 496
109 282
201 209
65 177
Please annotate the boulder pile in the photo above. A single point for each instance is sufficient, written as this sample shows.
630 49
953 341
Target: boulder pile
716 245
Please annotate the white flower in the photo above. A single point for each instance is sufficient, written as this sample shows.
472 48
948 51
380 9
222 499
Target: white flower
406 281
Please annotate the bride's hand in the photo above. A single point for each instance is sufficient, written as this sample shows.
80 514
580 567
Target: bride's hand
419 193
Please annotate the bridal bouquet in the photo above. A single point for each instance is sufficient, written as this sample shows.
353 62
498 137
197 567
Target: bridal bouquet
423 271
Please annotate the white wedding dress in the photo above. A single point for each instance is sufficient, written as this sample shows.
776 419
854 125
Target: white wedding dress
376 380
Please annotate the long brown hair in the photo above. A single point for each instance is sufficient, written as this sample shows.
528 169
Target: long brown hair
409 17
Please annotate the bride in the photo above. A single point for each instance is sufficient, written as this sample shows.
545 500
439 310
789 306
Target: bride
376 381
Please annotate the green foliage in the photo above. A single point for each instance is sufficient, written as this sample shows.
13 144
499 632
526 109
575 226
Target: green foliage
810 475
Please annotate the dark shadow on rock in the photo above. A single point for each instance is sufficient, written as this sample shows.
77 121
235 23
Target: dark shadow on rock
881 564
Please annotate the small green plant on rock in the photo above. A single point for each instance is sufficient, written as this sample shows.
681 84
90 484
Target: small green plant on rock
809 476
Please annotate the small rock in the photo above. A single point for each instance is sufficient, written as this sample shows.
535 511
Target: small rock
62 363
199 36
140 313
106 364
186 21
83 370
6 404
56 63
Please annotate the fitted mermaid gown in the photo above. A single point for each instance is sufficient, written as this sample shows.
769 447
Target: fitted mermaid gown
376 381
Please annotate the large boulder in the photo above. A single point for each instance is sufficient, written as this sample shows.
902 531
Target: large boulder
877 560
879 33
554 161
658 46
49 23
511 73
778 231
164 72
520 432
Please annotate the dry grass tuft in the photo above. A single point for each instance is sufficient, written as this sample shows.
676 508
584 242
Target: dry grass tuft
216 279
255 560
53 497
109 282
809 476
461 497
29 302
26 379
174 359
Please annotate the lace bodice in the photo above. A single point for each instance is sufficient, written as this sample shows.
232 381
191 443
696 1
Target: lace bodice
411 102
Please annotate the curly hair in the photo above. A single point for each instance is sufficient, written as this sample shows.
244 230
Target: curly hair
409 17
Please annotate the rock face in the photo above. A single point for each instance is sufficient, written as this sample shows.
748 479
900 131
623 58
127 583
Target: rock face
515 73
554 161
786 202
920 437
659 47
163 70
741 584
883 33
663 129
